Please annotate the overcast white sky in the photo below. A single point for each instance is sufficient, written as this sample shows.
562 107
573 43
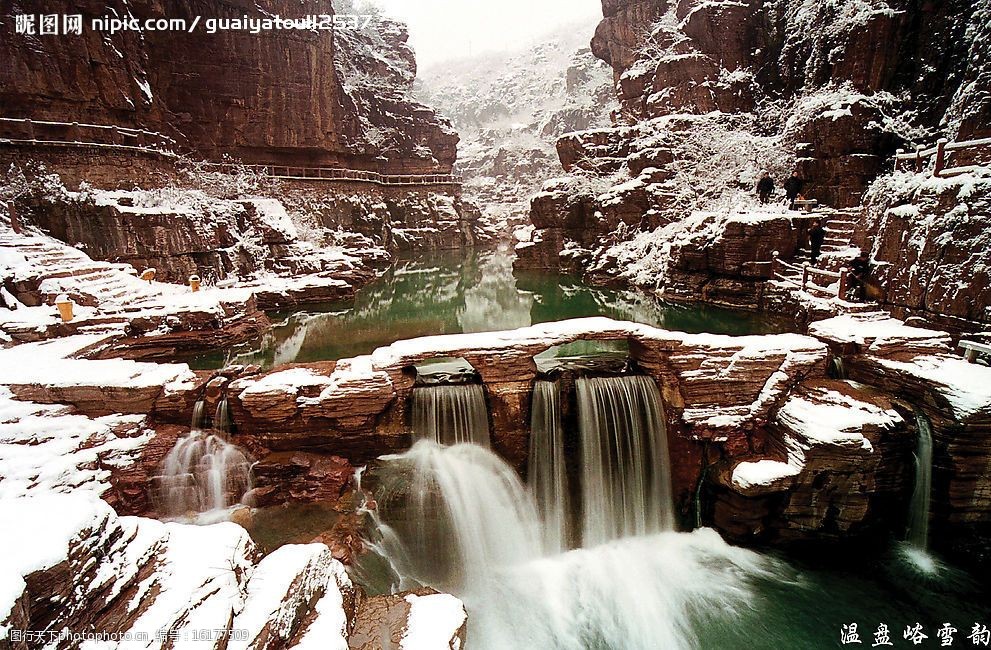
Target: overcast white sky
454 29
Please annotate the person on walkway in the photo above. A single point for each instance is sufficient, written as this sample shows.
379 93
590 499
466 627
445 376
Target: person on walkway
860 269
793 188
765 186
817 234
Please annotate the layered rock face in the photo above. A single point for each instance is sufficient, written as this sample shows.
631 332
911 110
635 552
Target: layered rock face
838 460
917 367
328 97
349 236
315 243
86 573
721 259
838 471
712 93
360 408
932 248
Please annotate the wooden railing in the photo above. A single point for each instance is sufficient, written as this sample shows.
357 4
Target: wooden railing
340 174
972 349
42 132
941 151
779 269
27 131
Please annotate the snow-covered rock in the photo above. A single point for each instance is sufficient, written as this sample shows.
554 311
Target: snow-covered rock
75 567
839 455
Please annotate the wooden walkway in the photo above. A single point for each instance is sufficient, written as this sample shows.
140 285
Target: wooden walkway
42 133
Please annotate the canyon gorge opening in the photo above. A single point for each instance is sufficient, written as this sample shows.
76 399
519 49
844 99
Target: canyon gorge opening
587 325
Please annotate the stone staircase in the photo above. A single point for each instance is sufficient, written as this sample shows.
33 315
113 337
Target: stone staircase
841 225
45 268
821 284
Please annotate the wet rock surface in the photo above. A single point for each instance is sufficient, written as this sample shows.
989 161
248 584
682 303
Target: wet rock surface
299 477
383 621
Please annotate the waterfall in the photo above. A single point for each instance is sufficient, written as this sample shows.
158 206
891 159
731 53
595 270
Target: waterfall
203 471
839 369
626 485
199 415
451 516
451 414
697 500
918 520
547 475
222 419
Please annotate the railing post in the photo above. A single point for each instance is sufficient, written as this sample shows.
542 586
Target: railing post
115 137
940 156
774 264
75 132
805 276
841 290
30 129
15 223
918 159
898 161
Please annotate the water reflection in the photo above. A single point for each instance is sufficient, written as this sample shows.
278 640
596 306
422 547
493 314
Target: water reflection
448 293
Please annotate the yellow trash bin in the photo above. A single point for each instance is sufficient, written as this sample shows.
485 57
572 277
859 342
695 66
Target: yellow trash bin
194 282
64 305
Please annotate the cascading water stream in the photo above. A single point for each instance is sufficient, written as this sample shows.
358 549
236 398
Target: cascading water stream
451 414
222 419
456 514
839 368
547 475
626 484
203 471
459 519
918 521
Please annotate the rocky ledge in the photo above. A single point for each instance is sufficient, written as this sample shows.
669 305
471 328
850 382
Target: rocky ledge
778 451
77 571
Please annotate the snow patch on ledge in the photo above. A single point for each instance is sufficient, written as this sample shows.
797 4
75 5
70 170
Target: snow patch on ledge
47 363
433 623
870 329
966 386
285 381
831 418
767 475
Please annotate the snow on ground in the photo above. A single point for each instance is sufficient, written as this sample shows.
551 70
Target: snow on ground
818 423
46 448
831 418
281 586
875 331
434 622
155 579
54 520
920 353
284 381
49 363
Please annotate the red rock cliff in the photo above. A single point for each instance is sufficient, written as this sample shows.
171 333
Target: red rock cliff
315 97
